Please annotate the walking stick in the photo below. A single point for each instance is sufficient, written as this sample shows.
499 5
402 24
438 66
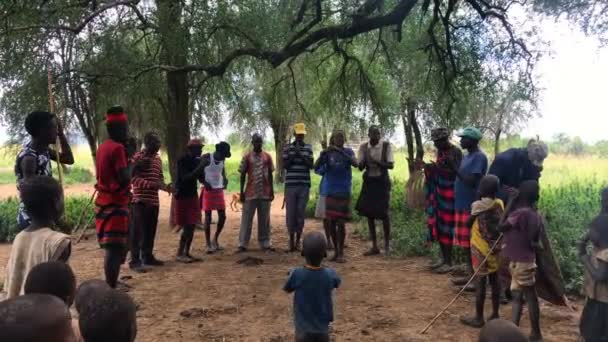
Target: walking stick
483 262
52 109
86 208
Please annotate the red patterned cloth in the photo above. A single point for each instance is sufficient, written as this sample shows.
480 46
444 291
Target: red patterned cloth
337 207
212 199
462 233
186 211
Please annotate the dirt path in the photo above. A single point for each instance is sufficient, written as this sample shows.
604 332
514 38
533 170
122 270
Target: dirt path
381 299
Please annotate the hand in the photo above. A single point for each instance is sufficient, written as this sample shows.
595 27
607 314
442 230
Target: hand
242 197
272 196
169 188
512 192
207 186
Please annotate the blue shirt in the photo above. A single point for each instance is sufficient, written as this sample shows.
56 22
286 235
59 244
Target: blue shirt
475 163
335 167
313 307
513 167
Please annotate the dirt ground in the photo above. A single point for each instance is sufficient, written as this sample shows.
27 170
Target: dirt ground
381 299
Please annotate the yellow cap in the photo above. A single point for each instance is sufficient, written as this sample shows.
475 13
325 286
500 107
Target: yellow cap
299 128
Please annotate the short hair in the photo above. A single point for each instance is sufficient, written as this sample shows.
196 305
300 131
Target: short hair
150 136
374 127
529 191
54 278
39 194
501 330
33 318
314 248
87 290
488 186
108 316
37 121
256 136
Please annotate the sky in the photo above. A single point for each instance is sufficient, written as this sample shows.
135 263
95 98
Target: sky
573 79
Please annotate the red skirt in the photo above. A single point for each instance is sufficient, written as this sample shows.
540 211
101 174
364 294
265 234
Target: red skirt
462 233
212 199
112 219
186 211
337 207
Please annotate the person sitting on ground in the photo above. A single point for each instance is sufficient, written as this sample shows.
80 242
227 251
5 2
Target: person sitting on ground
214 182
113 171
521 239
42 197
297 161
57 279
257 194
147 180
35 157
335 165
187 211
376 158
485 216
35 317
313 285
500 330
54 278
594 319
108 316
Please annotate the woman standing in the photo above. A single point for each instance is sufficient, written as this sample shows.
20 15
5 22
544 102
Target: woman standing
334 165
439 185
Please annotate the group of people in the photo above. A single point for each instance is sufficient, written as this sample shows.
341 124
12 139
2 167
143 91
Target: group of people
466 208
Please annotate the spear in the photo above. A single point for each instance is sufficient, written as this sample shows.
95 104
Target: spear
52 109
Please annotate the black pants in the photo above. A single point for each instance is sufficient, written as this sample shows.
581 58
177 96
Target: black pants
312 337
143 232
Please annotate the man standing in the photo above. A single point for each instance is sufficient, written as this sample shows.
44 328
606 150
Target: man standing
517 165
35 157
114 171
187 211
469 173
214 183
298 161
256 171
376 158
439 185
148 179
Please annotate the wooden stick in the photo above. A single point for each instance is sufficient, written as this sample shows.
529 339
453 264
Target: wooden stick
428 326
84 228
52 109
502 219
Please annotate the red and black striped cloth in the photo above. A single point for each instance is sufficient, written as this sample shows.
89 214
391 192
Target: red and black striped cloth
146 181
212 199
462 233
337 207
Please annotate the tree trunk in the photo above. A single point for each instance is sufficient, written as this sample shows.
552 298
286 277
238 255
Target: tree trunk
280 132
497 142
411 113
173 44
409 138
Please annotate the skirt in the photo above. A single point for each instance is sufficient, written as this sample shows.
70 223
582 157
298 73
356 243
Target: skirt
462 233
375 197
212 199
337 207
594 321
320 209
112 220
187 211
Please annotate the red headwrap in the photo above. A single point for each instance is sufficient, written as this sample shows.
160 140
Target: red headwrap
116 114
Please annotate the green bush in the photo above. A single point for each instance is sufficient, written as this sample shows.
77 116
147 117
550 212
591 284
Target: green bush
74 206
73 175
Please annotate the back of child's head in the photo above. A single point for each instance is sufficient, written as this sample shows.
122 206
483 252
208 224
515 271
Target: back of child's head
54 278
42 197
529 192
87 290
108 316
35 318
598 232
314 248
488 186
500 330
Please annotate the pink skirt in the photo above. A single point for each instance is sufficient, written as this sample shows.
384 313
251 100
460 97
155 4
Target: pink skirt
212 199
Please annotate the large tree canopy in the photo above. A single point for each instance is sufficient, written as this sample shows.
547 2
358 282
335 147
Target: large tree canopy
181 64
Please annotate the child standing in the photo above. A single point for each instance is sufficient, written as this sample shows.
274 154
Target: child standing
593 325
485 216
522 231
313 285
42 197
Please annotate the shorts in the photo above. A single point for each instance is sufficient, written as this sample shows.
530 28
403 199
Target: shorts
523 274
320 209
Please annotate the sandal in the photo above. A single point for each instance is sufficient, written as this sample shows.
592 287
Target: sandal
472 322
